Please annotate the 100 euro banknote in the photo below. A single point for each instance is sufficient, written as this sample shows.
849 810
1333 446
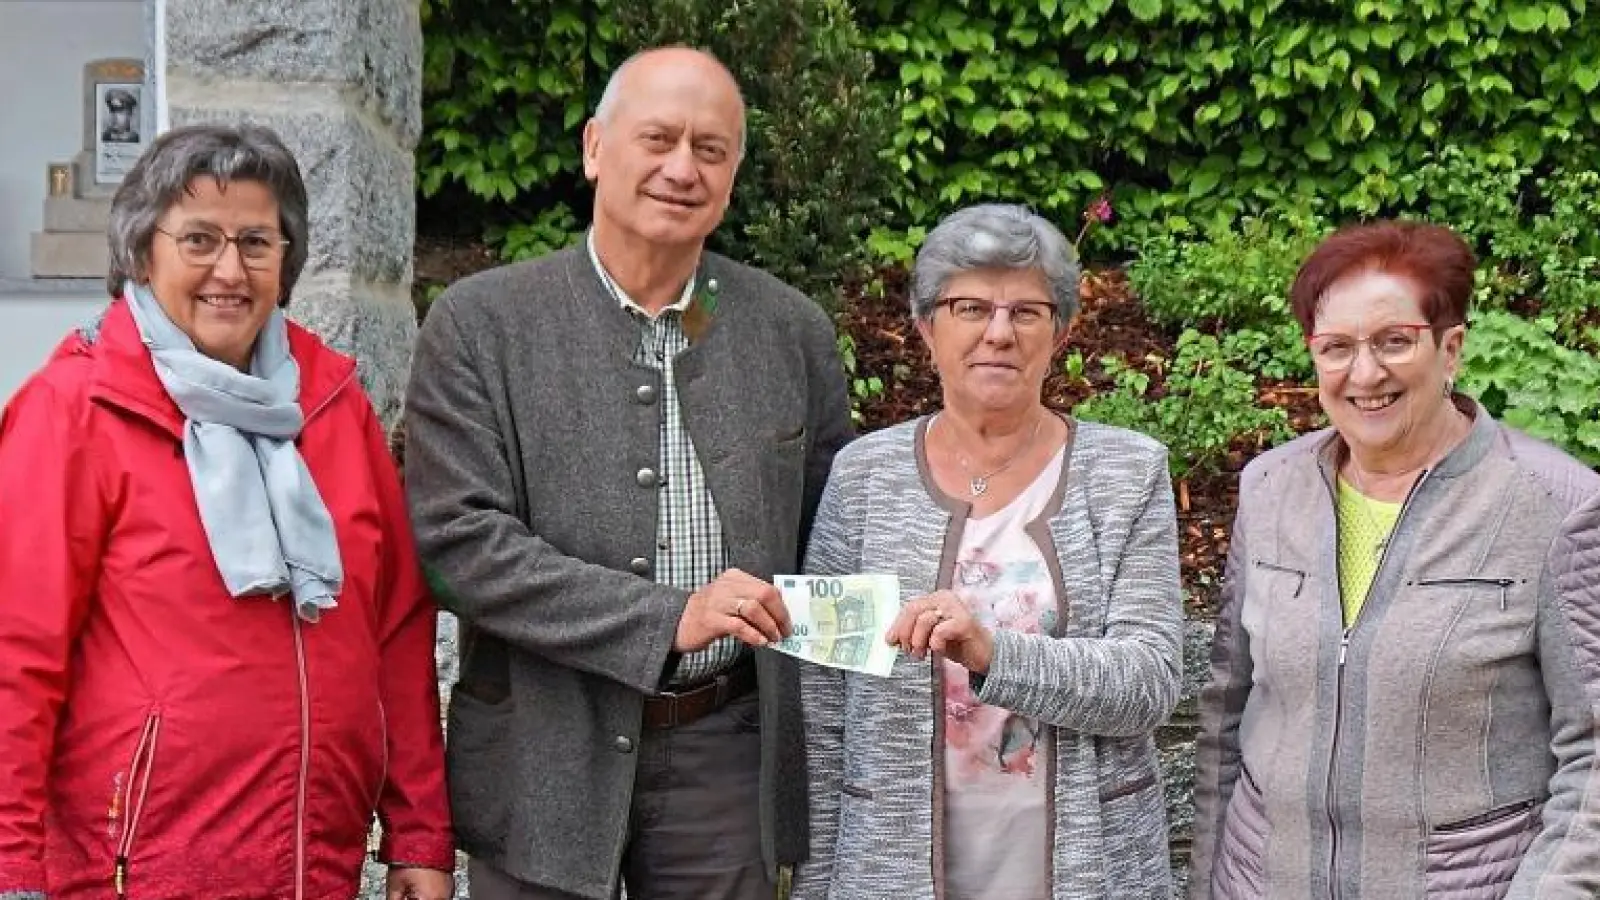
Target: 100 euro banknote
840 620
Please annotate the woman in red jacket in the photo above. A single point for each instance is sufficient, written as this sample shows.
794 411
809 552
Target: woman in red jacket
216 647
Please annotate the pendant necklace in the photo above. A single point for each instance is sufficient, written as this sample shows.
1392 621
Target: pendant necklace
978 485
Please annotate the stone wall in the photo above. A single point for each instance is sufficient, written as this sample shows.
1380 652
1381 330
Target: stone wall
340 81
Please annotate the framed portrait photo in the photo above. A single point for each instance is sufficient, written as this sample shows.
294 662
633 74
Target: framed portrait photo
118 128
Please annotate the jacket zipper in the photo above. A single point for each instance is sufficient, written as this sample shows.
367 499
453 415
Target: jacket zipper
305 757
140 769
304 774
383 778
1504 584
1338 685
328 400
1491 817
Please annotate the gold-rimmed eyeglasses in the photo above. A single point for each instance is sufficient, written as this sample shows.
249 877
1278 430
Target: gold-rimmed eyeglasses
198 245
1392 345
1027 315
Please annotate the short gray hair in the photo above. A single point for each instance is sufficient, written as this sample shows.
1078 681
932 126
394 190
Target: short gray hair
613 90
161 177
995 236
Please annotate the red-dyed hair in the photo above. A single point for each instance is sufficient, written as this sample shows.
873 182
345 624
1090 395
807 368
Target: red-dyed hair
1432 257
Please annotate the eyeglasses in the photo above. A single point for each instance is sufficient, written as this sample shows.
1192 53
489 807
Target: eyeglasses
1393 345
1024 316
199 245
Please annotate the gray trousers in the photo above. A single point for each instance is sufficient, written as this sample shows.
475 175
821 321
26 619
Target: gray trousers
695 828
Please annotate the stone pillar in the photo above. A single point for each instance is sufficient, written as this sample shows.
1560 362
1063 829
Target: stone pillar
340 81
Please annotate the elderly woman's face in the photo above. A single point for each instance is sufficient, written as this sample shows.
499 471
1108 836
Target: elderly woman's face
999 361
1391 392
221 305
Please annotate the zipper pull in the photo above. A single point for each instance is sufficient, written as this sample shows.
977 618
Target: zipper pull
1344 644
1505 585
119 877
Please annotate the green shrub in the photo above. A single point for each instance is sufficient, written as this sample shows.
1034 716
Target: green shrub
1231 277
506 87
1523 375
1277 352
863 387
1199 110
1212 109
1555 256
1204 406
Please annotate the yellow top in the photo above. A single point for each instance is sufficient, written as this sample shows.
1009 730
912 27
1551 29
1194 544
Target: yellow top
1364 527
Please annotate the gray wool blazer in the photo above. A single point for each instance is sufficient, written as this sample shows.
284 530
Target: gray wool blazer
525 428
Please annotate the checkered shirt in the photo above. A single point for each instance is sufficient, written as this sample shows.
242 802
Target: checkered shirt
690 551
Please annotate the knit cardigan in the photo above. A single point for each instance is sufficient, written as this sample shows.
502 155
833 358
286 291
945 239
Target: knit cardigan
1102 683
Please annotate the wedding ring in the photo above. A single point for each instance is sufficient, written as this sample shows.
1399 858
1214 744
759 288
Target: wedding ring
738 611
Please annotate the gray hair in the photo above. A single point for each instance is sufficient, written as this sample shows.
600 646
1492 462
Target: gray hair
227 153
613 90
995 236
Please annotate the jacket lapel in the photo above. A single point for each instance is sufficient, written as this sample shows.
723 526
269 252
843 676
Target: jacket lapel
727 441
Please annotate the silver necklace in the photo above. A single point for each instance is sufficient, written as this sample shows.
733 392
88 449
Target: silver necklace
978 485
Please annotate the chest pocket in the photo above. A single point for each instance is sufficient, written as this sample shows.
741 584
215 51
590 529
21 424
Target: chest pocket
1491 616
1280 616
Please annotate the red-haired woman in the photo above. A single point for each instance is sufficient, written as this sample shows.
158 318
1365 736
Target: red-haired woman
1406 676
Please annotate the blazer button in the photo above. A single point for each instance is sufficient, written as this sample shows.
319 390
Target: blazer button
645 394
623 744
647 478
639 566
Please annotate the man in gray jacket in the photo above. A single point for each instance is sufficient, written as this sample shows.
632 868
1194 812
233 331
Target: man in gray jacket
610 451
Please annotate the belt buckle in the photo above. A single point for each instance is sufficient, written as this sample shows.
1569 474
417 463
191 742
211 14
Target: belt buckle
671 701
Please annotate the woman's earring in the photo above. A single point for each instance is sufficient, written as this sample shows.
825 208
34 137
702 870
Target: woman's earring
1449 387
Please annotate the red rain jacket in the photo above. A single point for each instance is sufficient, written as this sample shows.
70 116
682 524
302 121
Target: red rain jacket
159 738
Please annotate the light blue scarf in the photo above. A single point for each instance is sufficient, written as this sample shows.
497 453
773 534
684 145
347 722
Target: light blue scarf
270 532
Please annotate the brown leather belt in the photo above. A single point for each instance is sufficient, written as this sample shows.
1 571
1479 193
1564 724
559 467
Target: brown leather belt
669 709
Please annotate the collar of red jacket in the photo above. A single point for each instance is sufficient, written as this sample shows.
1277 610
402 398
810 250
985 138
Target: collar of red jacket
125 376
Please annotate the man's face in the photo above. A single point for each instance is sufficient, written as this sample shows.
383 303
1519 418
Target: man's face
664 160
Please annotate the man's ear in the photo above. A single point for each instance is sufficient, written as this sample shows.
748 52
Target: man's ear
591 150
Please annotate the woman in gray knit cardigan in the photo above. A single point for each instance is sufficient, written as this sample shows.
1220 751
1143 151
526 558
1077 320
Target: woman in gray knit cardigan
1009 755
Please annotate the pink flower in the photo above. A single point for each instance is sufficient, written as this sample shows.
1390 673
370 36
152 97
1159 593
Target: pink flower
1100 210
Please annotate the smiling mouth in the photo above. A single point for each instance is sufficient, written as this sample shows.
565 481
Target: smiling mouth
679 202
224 301
1373 404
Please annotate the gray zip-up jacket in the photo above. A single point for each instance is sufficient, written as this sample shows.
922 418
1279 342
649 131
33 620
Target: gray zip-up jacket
1102 681
1443 746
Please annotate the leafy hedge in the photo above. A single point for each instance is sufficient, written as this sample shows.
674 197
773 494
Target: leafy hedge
1209 109
1186 110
